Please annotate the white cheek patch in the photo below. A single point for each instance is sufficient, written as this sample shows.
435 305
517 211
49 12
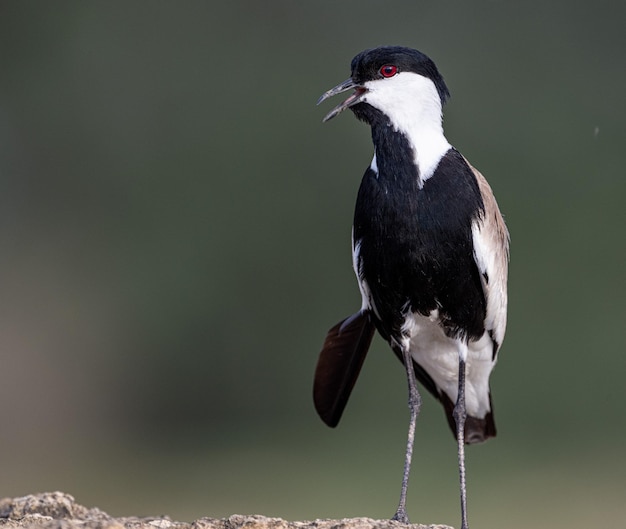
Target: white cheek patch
412 104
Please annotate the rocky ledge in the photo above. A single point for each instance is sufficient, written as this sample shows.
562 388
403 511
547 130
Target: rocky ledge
57 510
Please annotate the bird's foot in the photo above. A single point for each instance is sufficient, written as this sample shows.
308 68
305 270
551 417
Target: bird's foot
401 516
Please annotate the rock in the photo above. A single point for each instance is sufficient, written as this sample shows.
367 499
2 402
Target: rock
57 510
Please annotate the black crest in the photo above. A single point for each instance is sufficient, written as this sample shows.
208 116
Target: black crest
366 65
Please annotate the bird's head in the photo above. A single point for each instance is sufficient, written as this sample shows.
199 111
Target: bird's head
400 82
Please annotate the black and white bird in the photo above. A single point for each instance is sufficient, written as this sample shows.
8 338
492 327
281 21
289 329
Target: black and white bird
430 253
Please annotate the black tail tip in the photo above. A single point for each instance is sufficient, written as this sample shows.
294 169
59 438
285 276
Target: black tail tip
477 430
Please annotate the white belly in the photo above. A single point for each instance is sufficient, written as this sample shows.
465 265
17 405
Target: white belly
439 356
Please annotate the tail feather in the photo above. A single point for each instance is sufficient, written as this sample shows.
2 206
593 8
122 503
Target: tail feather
476 430
339 365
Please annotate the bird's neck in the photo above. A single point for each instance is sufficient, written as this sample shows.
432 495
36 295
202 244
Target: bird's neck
419 139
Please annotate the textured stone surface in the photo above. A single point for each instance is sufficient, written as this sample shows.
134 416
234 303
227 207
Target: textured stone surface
57 510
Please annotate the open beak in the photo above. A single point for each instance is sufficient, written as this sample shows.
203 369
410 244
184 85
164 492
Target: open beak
354 98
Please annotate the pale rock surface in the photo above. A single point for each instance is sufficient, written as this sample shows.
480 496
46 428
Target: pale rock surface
57 510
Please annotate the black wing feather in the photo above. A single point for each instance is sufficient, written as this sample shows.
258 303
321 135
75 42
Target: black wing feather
339 365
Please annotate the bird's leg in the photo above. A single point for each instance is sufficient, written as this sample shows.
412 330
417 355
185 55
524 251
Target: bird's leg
460 415
415 402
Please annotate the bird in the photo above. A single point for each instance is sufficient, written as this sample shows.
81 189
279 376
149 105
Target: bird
430 251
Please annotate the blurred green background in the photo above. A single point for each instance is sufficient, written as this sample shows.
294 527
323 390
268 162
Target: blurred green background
175 231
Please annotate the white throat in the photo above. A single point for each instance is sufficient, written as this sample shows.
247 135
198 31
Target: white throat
412 104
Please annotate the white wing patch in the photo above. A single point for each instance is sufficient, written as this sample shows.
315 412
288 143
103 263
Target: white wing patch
374 165
492 271
491 253
367 303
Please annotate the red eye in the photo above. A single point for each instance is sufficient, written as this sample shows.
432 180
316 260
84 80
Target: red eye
388 70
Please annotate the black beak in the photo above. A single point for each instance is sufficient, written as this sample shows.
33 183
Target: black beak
354 98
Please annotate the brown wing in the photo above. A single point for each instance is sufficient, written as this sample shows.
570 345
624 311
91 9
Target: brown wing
491 252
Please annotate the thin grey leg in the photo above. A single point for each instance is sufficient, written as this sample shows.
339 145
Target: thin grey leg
415 402
460 415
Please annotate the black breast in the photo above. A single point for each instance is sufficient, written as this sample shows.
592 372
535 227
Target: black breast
416 248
